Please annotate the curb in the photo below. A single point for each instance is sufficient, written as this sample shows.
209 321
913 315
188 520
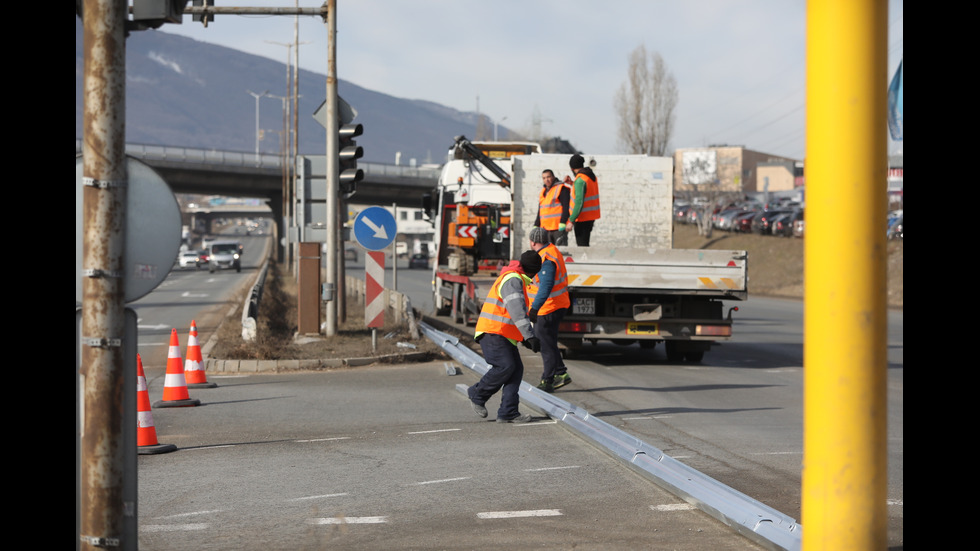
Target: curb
275 366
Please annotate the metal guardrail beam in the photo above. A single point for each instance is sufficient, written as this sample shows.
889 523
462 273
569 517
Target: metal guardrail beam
749 517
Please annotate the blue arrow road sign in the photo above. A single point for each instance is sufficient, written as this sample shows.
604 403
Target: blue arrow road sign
375 228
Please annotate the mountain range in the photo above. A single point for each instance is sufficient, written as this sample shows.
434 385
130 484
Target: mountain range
181 92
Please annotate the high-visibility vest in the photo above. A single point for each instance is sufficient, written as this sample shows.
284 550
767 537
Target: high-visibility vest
590 203
549 207
558 298
494 317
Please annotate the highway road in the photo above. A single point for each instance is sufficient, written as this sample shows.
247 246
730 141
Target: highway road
392 456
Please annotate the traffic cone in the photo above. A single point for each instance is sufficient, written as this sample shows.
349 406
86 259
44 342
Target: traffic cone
194 364
146 433
175 386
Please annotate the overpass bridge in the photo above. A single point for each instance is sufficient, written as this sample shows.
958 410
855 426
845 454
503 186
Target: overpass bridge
238 174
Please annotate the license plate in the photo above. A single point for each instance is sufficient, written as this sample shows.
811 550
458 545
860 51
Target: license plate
583 306
642 328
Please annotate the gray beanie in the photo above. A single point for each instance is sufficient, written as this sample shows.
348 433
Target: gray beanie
539 235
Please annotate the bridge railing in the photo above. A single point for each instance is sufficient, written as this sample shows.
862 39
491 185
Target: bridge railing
241 159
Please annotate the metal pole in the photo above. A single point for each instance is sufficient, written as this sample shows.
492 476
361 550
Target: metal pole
101 373
394 249
257 96
333 163
845 462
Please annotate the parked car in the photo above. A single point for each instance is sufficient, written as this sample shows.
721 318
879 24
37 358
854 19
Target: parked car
783 225
897 228
762 224
189 259
418 260
799 226
723 220
743 222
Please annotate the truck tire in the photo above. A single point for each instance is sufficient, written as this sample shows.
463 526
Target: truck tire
694 356
674 352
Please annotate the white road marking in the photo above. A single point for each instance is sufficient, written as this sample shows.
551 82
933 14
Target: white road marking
318 497
552 468
172 527
894 502
324 439
192 514
673 507
442 480
520 514
433 431
350 520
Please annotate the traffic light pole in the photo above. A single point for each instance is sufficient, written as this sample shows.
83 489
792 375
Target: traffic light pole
332 125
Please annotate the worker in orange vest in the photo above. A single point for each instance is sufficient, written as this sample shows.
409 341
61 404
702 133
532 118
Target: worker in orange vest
503 323
584 201
553 207
549 302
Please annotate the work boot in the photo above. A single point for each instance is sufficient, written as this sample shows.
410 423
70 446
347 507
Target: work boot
561 380
480 410
546 386
521 418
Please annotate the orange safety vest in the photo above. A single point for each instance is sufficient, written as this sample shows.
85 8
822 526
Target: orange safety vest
558 298
494 317
549 207
590 203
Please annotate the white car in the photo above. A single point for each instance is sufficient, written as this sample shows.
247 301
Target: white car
188 259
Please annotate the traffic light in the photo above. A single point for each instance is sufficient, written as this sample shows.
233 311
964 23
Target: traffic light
203 18
350 152
154 13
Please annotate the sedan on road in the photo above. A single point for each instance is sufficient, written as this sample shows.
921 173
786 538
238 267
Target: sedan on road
418 260
189 259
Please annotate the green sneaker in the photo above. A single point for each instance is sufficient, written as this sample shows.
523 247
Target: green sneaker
546 386
561 380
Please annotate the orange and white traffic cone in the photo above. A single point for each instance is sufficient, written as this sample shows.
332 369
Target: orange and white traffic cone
175 386
194 364
146 433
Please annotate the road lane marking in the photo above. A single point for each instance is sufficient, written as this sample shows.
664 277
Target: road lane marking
172 527
324 496
673 507
350 520
520 514
442 480
324 439
552 468
433 431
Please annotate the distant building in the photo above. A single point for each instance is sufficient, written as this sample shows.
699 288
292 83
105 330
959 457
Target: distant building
734 169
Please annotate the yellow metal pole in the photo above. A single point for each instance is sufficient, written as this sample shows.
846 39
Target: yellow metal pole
845 462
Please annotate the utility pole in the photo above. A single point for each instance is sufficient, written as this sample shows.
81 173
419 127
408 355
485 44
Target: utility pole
105 181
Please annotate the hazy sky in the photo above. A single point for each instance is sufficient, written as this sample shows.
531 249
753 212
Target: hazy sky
556 65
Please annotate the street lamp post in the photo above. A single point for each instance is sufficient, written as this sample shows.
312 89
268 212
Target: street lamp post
257 96
495 128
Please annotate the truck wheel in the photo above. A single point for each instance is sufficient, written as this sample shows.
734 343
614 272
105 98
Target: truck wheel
674 352
694 355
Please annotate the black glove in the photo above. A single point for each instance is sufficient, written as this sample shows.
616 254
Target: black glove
533 344
532 315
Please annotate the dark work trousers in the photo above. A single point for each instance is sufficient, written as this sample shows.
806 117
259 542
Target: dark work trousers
546 330
506 370
583 230
559 238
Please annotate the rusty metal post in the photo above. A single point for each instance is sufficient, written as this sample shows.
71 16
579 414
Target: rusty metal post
105 182
308 289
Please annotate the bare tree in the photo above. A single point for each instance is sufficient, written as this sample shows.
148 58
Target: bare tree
645 104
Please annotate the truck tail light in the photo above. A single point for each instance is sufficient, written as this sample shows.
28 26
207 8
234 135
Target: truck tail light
714 330
575 326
